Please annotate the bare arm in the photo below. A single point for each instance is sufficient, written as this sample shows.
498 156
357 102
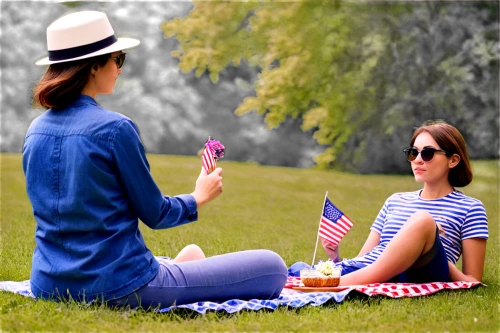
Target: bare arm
372 241
473 255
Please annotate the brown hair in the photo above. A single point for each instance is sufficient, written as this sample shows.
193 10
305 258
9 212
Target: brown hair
450 140
63 82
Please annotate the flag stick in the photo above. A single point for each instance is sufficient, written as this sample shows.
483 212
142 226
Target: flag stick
317 234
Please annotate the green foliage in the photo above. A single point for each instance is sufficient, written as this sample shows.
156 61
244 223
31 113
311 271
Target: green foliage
361 76
261 207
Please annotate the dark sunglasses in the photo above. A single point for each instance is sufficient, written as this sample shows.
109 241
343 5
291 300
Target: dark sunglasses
427 153
119 59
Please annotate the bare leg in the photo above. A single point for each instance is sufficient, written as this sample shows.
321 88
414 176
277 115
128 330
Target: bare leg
189 253
413 240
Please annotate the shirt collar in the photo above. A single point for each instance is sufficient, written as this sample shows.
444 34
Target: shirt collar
82 100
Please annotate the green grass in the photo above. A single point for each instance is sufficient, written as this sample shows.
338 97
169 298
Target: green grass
261 207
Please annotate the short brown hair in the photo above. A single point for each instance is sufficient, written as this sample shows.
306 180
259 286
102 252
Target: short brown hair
450 140
63 82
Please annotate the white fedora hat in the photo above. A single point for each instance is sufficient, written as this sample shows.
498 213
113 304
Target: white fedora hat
82 35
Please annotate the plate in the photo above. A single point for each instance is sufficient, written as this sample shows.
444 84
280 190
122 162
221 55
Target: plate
320 289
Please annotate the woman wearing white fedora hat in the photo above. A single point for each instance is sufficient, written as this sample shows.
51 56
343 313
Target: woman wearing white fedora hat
88 180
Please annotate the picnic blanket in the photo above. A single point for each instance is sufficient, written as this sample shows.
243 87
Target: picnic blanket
293 298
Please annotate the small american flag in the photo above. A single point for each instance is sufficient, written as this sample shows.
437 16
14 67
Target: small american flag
334 224
214 151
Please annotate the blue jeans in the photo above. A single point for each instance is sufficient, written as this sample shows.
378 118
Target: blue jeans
254 274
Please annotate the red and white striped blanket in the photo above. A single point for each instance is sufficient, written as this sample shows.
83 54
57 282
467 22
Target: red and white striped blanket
396 290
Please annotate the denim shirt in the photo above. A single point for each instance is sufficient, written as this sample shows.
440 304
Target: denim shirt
89 183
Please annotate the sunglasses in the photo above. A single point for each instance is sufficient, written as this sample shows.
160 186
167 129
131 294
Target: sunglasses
119 59
427 153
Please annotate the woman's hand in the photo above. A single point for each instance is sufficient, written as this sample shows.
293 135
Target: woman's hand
457 275
208 187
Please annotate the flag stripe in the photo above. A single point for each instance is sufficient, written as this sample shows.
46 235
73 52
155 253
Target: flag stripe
334 229
331 233
339 225
330 228
208 160
329 238
334 234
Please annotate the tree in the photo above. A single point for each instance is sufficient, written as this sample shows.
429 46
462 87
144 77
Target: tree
360 76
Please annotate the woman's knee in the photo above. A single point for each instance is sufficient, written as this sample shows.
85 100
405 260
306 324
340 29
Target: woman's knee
423 219
189 253
272 260
273 272
195 249
252 262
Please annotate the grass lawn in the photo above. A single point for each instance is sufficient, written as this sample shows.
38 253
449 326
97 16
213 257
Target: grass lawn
261 207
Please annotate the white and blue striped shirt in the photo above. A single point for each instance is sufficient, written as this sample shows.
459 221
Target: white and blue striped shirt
460 216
